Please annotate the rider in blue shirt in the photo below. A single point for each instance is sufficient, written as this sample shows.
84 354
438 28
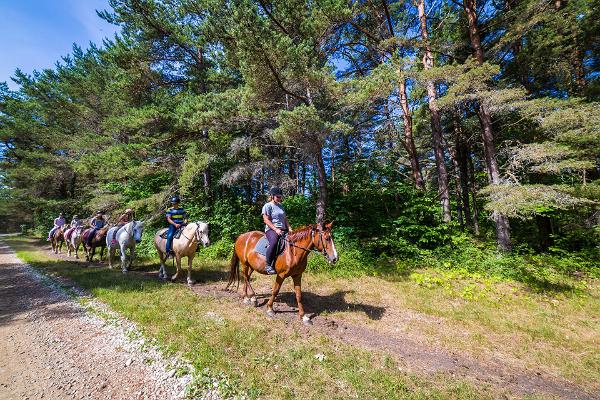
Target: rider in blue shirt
97 223
175 217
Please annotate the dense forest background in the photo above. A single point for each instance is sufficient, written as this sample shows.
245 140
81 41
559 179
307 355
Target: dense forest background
452 132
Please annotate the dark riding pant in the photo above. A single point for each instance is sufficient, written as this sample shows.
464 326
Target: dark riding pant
91 236
170 235
273 238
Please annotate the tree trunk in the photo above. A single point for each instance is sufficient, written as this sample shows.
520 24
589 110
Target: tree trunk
473 184
436 126
322 182
463 168
409 143
502 224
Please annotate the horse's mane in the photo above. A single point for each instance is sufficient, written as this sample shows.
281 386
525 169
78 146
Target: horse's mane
300 233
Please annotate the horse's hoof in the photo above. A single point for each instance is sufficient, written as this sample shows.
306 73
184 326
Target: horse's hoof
271 313
191 282
306 321
124 271
246 300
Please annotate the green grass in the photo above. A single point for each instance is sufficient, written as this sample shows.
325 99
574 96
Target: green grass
247 353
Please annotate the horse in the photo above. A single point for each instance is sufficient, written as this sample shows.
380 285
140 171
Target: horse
99 240
292 262
184 246
73 240
57 240
126 236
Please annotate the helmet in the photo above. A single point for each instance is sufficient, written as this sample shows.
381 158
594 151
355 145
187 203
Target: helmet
99 213
276 191
175 199
61 214
128 211
75 216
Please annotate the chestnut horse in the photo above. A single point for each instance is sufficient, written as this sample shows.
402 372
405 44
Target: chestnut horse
58 239
99 240
292 262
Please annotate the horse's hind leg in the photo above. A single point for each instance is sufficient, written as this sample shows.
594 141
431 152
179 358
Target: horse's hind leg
111 255
247 276
274 293
162 272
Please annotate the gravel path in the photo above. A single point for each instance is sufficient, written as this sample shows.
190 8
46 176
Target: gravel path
51 347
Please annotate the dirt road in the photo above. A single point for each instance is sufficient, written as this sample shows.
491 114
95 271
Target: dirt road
52 348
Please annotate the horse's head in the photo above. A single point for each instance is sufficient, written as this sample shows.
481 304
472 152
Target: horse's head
136 230
202 233
323 241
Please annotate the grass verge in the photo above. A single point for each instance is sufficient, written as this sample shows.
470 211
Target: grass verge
244 354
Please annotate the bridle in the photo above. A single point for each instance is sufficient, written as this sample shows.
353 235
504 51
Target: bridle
312 237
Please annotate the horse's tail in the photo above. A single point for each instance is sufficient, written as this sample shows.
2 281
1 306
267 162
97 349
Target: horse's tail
234 270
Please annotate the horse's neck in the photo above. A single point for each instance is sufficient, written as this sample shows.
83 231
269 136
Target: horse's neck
306 243
190 233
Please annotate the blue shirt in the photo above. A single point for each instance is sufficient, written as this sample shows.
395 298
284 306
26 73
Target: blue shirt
177 214
98 223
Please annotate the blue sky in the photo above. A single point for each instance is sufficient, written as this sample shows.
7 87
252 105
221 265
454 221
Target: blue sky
34 34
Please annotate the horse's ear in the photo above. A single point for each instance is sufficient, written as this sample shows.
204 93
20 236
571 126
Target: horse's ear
328 225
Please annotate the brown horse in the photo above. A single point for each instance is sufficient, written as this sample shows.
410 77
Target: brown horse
58 239
292 262
99 240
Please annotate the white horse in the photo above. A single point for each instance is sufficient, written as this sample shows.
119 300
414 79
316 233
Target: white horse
126 236
184 246
74 240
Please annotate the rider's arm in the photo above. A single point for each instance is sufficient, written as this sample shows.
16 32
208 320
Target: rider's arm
170 221
268 222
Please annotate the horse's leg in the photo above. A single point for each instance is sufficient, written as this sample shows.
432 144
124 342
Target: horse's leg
190 281
131 257
178 263
298 289
111 254
123 258
253 300
162 272
246 273
274 293
76 246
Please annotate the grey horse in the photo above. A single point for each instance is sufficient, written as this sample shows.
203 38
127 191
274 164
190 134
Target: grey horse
127 236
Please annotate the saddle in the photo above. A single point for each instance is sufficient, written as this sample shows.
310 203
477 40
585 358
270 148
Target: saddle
262 245
177 234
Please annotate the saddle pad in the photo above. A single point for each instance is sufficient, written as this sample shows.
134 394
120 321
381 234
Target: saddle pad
263 243
176 235
261 246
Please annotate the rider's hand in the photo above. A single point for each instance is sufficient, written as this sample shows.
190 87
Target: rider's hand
177 226
278 231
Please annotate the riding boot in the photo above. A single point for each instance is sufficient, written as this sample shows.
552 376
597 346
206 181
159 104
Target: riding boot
270 268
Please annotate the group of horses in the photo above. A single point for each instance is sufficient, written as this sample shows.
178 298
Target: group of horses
291 262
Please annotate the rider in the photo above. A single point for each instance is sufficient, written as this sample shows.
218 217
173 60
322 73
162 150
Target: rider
123 219
175 217
58 222
97 222
75 223
276 223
